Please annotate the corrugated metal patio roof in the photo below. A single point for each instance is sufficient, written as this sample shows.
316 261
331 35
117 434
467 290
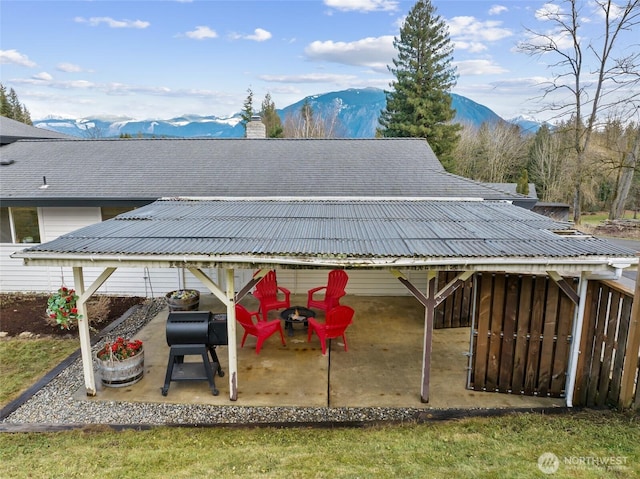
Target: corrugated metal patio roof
348 233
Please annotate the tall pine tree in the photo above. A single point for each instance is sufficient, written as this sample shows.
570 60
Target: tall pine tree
247 109
419 103
270 118
10 106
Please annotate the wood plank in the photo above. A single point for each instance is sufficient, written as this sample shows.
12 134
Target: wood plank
456 300
561 358
609 348
630 367
509 332
485 285
495 338
596 364
535 336
549 338
467 301
586 344
522 342
621 346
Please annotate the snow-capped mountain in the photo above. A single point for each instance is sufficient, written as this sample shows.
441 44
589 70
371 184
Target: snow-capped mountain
358 113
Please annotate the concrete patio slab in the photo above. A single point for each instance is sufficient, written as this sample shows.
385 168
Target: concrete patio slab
382 367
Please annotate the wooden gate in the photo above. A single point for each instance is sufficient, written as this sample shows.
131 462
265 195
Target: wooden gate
521 336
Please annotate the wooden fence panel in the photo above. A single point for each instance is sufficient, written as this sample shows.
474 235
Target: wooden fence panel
495 332
481 349
522 339
535 336
561 358
509 333
604 346
522 330
548 338
618 362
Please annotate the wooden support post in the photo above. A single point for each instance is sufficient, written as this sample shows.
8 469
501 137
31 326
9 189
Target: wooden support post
429 316
231 334
83 332
633 346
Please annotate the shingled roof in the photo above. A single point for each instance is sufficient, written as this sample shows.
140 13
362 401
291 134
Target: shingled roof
93 172
12 131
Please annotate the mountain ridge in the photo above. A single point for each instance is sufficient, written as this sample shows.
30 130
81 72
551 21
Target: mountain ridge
357 110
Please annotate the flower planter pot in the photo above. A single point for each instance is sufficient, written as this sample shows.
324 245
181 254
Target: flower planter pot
119 374
187 304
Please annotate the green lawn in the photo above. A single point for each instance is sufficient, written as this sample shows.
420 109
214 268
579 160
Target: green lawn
597 218
19 374
499 447
502 447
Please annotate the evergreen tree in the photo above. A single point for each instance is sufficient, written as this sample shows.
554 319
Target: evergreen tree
247 109
271 119
522 186
419 104
10 106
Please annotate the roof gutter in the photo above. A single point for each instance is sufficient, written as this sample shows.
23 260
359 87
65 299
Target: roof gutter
607 267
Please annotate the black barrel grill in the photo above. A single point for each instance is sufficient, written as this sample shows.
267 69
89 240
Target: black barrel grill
194 333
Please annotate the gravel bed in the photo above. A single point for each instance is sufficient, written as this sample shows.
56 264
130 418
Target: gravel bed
54 404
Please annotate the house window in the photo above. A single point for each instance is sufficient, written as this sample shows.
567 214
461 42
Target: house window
5 226
109 212
25 225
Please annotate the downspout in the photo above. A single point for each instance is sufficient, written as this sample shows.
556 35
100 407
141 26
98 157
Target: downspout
576 338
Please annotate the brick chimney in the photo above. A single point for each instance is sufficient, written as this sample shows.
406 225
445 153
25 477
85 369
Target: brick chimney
255 128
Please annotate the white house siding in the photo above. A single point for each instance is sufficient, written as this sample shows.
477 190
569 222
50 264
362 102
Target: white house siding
55 222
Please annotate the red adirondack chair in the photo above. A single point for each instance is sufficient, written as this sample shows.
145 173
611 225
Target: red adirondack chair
333 291
260 329
270 295
335 325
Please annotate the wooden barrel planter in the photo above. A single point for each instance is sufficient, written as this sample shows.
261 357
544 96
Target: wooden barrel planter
119 374
183 300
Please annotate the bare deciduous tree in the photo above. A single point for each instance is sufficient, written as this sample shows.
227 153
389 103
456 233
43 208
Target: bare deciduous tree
307 123
494 153
596 72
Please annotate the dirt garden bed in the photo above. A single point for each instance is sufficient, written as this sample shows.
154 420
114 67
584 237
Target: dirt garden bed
24 314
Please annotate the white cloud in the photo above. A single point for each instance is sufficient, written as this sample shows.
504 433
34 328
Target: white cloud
552 40
15 57
42 76
472 29
478 67
308 78
548 11
497 9
68 68
201 32
372 52
362 5
471 47
110 22
259 35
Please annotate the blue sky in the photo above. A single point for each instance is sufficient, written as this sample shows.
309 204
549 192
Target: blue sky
162 59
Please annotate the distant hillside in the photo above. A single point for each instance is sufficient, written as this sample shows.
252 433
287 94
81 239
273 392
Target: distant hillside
358 113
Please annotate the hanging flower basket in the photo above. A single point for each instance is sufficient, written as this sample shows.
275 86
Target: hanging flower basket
121 362
62 307
183 300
